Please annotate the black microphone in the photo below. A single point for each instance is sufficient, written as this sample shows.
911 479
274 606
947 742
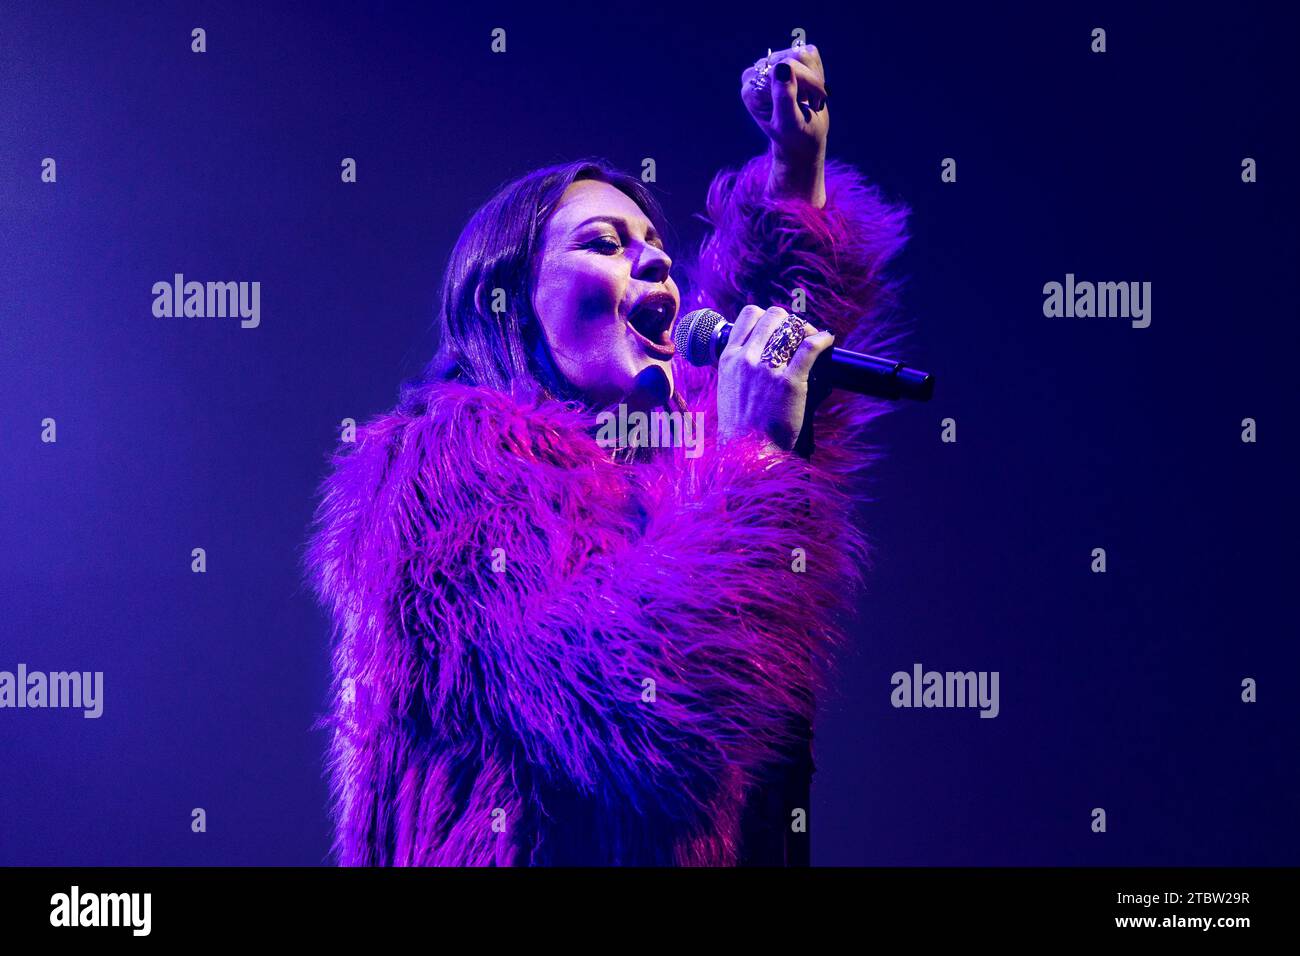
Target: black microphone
700 337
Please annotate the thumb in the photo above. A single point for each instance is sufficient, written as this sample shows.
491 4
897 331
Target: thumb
785 90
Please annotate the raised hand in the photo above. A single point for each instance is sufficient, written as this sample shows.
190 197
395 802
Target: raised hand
785 93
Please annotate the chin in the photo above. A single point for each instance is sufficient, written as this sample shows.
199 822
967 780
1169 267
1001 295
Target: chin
653 380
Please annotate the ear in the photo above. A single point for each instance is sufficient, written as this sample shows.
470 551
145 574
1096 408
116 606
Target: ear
485 295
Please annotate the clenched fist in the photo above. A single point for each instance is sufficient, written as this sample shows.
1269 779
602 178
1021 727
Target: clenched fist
788 102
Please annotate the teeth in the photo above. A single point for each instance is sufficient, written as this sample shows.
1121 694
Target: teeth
652 319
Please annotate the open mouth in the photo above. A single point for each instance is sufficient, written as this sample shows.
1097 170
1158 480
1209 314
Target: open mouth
652 319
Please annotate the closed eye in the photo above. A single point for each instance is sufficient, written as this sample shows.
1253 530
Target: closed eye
606 245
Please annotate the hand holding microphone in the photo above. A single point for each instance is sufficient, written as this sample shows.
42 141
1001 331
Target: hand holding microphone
765 367
763 372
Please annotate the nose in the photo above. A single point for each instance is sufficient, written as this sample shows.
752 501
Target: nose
653 265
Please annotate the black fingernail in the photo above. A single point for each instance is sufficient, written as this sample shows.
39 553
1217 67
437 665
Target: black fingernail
826 88
783 72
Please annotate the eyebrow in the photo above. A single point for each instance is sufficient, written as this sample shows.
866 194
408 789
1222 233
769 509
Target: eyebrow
651 233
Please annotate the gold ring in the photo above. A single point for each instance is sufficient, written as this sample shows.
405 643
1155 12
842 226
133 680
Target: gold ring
785 341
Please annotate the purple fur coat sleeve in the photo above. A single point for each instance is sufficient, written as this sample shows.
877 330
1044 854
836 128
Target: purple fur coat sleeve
542 656
760 250
763 251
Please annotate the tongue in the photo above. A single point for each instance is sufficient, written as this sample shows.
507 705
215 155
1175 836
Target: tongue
647 324
659 336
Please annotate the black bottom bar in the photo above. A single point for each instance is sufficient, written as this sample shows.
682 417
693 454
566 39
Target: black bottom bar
482 906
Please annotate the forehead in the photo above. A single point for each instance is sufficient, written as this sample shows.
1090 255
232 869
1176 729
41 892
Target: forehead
589 197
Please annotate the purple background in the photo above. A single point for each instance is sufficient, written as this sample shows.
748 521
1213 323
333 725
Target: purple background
1117 690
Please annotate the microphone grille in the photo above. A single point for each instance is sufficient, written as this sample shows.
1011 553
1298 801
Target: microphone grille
693 335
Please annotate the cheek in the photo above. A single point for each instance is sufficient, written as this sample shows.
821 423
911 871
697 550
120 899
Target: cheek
577 299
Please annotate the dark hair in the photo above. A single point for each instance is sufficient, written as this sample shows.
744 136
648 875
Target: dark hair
497 249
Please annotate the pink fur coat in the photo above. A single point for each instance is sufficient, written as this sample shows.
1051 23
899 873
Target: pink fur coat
545 657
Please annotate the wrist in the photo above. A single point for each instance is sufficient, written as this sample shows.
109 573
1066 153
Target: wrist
767 448
799 178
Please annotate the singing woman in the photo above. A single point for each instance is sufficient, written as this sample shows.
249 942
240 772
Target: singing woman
550 652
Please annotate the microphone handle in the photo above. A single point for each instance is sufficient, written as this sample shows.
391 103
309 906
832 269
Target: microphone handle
868 375
855 372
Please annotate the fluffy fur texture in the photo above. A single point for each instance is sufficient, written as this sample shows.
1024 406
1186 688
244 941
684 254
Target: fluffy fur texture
487 716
